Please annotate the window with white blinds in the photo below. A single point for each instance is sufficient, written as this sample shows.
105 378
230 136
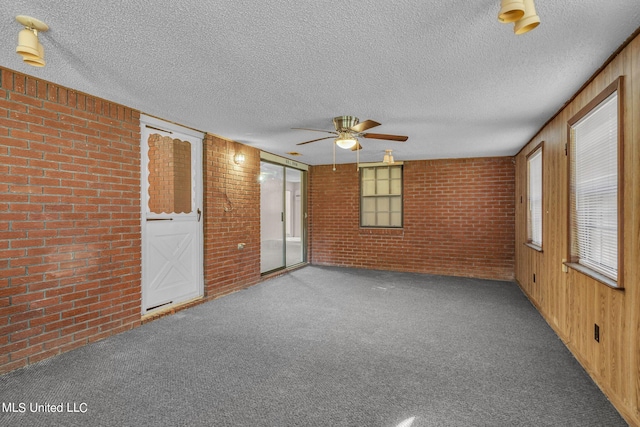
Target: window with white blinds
534 197
594 188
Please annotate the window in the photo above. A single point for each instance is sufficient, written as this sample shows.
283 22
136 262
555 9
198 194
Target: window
381 196
595 184
534 198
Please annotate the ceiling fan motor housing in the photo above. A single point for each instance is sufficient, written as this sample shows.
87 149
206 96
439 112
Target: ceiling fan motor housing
343 123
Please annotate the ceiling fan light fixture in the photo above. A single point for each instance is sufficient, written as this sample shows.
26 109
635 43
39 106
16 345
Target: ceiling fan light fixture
511 11
346 141
529 21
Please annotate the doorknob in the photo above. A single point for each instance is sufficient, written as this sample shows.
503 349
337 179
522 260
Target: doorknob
199 214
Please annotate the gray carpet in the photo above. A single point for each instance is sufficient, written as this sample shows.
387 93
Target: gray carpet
324 347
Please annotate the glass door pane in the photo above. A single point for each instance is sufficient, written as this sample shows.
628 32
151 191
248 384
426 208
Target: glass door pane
293 217
170 183
271 217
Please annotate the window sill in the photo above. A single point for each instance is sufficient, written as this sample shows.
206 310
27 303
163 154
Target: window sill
594 275
382 231
534 247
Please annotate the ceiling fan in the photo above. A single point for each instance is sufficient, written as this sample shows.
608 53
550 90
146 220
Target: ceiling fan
349 129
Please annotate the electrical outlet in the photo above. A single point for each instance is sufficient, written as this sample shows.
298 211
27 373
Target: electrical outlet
596 332
241 245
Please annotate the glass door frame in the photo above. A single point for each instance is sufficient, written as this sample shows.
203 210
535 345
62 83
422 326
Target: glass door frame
303 169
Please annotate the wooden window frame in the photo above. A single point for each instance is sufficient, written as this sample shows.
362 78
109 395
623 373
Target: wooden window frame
538 247
615 87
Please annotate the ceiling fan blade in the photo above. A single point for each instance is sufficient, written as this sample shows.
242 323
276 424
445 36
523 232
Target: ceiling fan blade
356 147
361 127
398 138
317 130
314 140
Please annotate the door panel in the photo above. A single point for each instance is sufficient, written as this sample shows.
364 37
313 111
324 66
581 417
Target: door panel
172 268
271 217
293 217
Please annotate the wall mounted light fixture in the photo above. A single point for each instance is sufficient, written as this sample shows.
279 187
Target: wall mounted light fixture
522 13
29 47
239 158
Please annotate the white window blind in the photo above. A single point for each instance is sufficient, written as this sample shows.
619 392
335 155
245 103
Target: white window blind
535 198
594 188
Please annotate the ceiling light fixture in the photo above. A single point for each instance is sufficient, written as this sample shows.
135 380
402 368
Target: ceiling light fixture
388 158
511 11
345 140
29 47
522 13
529 21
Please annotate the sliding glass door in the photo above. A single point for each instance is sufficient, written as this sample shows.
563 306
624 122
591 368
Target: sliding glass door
281 216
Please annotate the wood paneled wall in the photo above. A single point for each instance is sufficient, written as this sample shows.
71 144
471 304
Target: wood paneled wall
570 301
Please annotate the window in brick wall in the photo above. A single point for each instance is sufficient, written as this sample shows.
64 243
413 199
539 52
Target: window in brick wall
534 198
381 196
595 183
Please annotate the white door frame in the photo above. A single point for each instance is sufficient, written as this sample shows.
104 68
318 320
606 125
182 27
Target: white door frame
150 125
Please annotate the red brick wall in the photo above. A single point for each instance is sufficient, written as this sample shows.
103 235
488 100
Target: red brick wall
69 219
232 216
458 219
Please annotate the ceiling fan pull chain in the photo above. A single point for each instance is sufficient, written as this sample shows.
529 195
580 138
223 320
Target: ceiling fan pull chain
334 156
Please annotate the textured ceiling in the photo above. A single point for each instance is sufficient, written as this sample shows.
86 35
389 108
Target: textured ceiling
445 73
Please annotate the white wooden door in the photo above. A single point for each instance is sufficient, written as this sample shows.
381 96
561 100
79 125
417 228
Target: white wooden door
172 242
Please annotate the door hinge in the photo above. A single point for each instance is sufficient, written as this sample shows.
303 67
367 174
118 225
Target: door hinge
566 151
